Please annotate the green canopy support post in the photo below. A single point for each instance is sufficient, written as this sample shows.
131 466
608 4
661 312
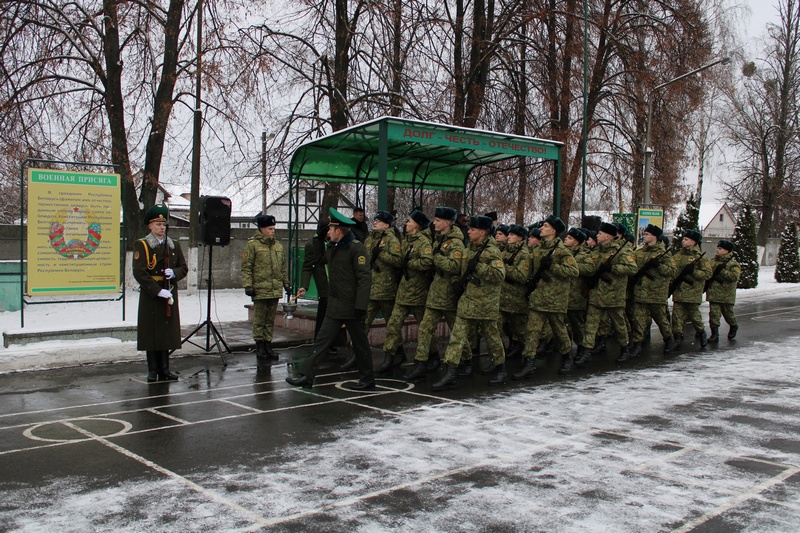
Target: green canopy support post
557 187
383 164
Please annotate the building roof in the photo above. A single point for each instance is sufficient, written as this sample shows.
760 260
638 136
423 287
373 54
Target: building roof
709 212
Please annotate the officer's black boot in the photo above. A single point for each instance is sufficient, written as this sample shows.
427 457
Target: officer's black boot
732 331
636 350
386 365
418 372
434 362
515 349
566 363
527 370
624 354
669 345
584 357
261 351
448 381
467 367
152 366
714 334
703 338
399 356
499 376
163 367
268 349
350 364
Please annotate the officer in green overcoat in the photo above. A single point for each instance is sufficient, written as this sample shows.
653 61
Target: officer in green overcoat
158 265
721 290
350 279
693 269
265 278
482 273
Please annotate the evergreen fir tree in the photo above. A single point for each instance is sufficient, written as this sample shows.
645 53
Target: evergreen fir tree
688 219
745 250
788 268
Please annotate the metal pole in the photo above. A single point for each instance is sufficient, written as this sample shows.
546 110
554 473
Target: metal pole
648 151
585 133
263 172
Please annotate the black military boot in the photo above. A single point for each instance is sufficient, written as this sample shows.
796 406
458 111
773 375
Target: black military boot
350 364
152 366
714 334
600 346
489 369
418 372
527 370
636 350
515 349
467 367
163 367
703 338
499 376
669 345
270 354
386 365
434 362
448 380
678 341
583 358
624 354
732 331
566 363
261 352
399 356
543 350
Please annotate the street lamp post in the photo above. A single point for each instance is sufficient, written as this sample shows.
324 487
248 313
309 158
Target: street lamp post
648 151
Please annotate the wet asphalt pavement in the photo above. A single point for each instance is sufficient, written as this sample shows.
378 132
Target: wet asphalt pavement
706 441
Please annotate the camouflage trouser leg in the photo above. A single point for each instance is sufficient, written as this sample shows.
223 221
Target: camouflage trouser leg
615 316
494 341
534 332
460 340
264 318
576 318
427 342
384 306
604 329
683 311
641 320
514 324
717 310
394 327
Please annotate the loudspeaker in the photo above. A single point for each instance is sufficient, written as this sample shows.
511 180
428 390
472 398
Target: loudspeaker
591 222
215 221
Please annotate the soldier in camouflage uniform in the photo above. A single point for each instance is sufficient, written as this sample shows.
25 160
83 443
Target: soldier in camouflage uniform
576 309
501 236
651 290
416 262
265 278
534 237
693 269
611 263
448 252
552 268
482 272
513 300
721 290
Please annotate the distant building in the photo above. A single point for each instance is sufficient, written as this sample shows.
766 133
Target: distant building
716 221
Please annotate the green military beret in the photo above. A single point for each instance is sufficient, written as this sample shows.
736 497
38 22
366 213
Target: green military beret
338 219
157 213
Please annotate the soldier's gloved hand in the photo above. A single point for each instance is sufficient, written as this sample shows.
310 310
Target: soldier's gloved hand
689 268
169 273
547 262
653 263
250 292
164 293
361 314
605 267
472 264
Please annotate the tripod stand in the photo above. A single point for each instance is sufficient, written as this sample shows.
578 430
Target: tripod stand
219 342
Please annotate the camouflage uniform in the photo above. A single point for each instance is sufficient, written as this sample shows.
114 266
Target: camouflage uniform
479 306
513 302
576 308
264 272
721 295
608 298
651 290
385 259
448 253
416 254
688 295
548 303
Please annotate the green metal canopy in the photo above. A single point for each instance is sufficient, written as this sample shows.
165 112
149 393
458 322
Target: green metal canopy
413 154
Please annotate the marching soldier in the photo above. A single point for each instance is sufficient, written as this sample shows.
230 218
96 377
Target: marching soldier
721 290
448 252
651 290
687 288
534 237
513 300
501 236
482 274
412 292
553 267
576 308
265 278
612 263
159 322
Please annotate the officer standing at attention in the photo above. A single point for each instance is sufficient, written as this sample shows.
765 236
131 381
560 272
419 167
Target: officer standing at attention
448 251
483 272
265 278
159 323
721 290
416 262
350 282
687 293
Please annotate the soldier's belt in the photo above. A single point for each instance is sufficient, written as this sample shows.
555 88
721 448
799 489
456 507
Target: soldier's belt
157 278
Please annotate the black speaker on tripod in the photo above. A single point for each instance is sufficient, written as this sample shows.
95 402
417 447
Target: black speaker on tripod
215 221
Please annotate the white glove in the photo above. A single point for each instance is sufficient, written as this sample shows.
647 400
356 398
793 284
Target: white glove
169 273
164 293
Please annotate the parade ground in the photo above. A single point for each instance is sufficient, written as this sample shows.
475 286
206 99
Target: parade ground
705 441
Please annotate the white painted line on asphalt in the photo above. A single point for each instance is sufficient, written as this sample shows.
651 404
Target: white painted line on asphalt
258 519
240 406
733 502
155 411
